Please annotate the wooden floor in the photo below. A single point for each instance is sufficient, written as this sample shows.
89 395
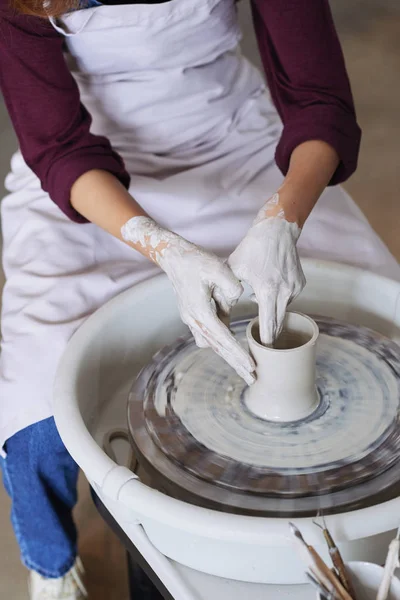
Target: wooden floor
370 34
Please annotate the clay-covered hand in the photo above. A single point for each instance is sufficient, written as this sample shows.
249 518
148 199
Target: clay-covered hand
205 287
268 261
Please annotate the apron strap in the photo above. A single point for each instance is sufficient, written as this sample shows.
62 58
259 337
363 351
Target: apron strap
64 32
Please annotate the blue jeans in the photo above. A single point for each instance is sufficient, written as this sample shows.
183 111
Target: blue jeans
40 478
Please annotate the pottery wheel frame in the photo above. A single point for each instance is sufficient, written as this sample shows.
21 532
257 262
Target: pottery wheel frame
168 476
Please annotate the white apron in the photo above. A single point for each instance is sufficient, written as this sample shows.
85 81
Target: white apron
192 119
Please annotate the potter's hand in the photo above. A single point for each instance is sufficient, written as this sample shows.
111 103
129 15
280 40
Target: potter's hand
205 286
268 261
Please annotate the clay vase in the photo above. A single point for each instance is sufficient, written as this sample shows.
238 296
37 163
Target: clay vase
285 388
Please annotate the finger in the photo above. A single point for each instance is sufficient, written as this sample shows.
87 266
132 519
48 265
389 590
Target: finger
249 378
235 362
282 302
298 287
222 307
222 304
227 288
231 351
229 348
226 293
267 315
200 340
224 344
225 319
253 298
243 372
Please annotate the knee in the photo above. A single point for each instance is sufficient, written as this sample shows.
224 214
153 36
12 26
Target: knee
34 442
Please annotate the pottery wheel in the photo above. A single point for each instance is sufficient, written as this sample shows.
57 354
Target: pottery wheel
190 426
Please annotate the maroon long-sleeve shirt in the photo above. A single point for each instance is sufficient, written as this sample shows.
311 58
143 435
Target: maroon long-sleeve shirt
303 63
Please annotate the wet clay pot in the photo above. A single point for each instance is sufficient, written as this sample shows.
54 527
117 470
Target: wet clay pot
285 388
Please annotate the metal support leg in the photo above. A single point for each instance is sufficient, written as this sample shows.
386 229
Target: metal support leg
140 585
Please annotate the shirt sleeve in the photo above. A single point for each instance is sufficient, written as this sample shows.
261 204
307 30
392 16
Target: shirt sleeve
306 74
43 101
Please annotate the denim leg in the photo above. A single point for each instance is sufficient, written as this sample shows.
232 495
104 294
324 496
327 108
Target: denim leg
41 478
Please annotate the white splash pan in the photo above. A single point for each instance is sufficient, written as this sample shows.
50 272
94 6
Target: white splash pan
91 390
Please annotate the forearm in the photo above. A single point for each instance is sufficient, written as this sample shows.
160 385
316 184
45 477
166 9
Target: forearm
102 199
312 166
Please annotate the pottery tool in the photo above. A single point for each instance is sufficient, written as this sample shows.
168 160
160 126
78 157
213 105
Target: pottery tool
317 566
391 564
324 593
336 558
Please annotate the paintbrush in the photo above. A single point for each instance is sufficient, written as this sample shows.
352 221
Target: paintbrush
323 592
391 564
336 559
317 566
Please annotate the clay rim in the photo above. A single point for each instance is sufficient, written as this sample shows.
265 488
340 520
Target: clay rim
310 342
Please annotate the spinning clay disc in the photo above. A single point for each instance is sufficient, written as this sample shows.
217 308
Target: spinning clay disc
190 425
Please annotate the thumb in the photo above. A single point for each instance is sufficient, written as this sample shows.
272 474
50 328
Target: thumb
227 290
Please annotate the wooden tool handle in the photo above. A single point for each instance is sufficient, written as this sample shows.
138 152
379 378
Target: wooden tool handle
334 581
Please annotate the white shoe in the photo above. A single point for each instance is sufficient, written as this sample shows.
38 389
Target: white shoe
68 587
